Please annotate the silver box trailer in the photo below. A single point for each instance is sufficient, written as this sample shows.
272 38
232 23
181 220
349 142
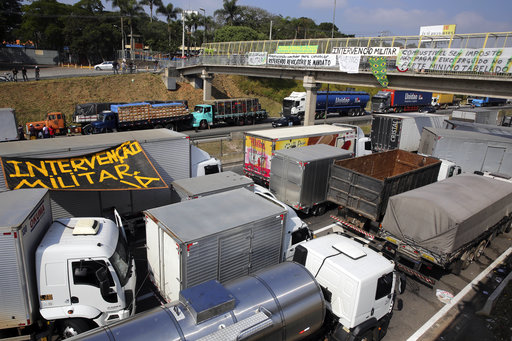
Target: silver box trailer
168 151
401 131
201 186
300 176
484 116
502 131
472 151
222 236
25 216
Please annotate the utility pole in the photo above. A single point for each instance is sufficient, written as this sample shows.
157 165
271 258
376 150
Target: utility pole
183 34
327 94
270 34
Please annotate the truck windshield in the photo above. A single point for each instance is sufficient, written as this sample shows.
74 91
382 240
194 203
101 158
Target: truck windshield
378 100
120 260
101 117
198 109
289 103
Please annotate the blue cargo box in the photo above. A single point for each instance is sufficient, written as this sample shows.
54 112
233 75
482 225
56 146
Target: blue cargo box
412 98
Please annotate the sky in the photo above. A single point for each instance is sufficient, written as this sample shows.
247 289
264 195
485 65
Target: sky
374 17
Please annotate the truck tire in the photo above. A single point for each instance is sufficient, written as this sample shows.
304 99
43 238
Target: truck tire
158 126
72 327
249 120
480 249
319 210
240 121
171 126
367 336
203 124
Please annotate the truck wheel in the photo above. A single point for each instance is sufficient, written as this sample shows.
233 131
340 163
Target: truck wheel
158 126
241 121
72 327
87 130
367 336
249 120
319 210
203 124
480 249
172 127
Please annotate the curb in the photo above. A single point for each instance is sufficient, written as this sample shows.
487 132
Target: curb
491 301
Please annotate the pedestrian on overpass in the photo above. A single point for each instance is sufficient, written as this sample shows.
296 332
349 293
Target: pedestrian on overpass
36 69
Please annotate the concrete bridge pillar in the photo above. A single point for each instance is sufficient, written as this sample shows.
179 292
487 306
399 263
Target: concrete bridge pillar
311 87
207 85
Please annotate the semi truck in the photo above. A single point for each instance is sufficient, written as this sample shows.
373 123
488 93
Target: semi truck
141 116
443 101
60 277
351 103
260 145
238 111
397 101
336 289
471 151
170 154
8 125
213 238
87 113
363 185
477 115
300 176
487 101
401 131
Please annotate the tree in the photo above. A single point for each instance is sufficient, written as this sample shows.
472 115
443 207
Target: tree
238 33
229 13
151 3
130 9
171 13
10 18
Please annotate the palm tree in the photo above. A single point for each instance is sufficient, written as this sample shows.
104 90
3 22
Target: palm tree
151 3
170 12
130 9
229 11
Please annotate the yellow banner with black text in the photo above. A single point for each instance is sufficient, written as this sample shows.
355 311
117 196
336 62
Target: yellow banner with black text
122 167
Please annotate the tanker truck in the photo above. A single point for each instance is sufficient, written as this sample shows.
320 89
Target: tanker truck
335 288
351 103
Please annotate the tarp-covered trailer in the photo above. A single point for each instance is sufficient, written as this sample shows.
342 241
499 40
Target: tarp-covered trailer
363 185
168 152
449 222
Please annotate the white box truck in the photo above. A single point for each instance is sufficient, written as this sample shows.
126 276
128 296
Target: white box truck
221 236
61 277
8 125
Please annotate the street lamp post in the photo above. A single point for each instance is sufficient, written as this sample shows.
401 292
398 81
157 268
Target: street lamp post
204 32
183 35
327 94
122 39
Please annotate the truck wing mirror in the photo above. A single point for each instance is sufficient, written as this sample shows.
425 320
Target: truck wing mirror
401 283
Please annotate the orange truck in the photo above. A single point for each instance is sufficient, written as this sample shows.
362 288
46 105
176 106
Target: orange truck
56 120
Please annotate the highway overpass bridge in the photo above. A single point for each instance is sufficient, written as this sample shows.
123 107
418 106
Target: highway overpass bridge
478 64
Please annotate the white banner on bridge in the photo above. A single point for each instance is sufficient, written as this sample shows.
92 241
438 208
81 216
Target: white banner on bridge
302 60
349 63
257 58
461 60
367 51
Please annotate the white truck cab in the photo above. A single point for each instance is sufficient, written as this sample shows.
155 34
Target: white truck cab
85 273
201 163
357 282
296 230
448 169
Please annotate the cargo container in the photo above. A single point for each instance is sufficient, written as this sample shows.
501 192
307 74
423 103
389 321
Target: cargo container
364 184
197 187
478 115
491 129
351 103
300 176
388 100
472 151
169 153
401 131
260 145
221 236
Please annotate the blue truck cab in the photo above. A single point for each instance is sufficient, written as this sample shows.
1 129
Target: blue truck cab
107 121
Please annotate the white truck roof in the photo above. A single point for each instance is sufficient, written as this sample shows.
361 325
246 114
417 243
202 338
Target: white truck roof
297 132
60 241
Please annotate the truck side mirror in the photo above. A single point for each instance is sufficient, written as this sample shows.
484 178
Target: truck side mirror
101 276
401 283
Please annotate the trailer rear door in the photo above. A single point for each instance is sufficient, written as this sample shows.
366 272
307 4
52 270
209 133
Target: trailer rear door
493 159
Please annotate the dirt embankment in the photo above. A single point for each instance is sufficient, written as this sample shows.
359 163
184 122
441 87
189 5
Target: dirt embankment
32 100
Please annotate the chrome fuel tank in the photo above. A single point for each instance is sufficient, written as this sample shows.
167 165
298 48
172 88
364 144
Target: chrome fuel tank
283 302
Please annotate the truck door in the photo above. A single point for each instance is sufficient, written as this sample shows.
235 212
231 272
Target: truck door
85 286
493 159
234 256
383 296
